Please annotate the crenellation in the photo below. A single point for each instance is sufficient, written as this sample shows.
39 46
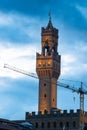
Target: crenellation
71 111
39 113
57 113
51 31
33 113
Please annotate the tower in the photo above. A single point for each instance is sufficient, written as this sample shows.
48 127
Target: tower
48 64
48 68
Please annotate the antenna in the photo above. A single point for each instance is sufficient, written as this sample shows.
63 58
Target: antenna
49 14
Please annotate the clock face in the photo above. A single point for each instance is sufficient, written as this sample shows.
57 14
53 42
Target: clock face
39 63
44 63
49 63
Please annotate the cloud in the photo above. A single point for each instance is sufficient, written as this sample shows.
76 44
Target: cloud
18 28
83 11
7 22
28 8
18 40
17 56
18 53
74 62
16 96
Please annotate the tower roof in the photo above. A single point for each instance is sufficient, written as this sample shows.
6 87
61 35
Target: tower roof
49 26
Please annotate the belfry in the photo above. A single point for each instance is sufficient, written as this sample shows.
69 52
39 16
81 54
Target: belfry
48 68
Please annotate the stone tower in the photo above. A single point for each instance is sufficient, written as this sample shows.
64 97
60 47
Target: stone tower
48 68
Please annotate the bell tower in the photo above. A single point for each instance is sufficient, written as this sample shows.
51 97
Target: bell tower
48 68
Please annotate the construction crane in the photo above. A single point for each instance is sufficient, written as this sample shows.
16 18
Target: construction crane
79 90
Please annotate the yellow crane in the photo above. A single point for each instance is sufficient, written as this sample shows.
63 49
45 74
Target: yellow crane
79 90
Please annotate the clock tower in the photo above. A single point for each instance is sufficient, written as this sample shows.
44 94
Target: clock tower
48 68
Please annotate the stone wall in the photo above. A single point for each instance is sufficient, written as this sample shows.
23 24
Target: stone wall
56 120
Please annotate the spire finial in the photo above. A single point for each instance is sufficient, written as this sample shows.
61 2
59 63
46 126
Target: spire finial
49 15
49 23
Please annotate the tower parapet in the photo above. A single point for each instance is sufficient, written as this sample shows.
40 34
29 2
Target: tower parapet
57 113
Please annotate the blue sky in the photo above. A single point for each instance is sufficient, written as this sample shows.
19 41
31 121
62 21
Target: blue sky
20 38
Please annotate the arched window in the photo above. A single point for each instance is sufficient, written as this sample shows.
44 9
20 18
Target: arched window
44 84
45 95
67 124
36 125
53 99
45 111
61 124
48 125
74 124
54 124
42 125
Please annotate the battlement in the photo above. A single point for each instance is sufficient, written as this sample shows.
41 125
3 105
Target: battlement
58 113
48 57
52 31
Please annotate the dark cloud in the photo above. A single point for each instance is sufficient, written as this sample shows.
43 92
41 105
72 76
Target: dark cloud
64 10
33 7
13 35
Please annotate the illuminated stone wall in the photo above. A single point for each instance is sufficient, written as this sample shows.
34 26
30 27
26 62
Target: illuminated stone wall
48 68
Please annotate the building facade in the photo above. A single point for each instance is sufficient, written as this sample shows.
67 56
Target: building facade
56 120
48 65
